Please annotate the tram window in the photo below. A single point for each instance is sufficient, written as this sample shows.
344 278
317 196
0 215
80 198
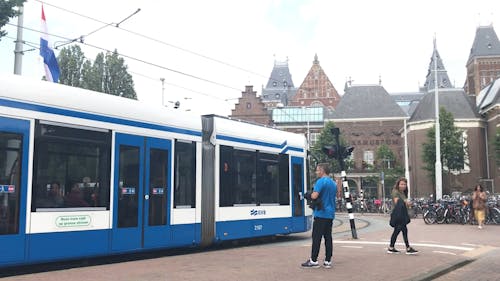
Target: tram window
237 177
78 160
267 178
226 176
185 175
10 182
253 177
284 181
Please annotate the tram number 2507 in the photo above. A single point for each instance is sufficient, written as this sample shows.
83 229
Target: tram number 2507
257 227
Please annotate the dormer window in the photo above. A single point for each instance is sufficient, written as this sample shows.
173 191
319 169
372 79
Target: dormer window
275 84
285 84
277 96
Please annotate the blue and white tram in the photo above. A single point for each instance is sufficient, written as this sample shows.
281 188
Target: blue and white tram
86 174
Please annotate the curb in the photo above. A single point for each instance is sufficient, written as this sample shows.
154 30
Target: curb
440 270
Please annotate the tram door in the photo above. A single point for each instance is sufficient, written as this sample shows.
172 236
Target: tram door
141 195
14 136
298 192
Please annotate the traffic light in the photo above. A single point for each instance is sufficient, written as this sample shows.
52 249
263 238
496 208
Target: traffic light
342 153
347 151
330 151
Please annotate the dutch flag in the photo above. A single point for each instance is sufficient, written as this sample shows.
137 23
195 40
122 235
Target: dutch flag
49 58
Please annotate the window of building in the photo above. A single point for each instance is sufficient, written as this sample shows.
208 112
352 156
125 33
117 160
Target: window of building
185 174
249 105
71 168
368 157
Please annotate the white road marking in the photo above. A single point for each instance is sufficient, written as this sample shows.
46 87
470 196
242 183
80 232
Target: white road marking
449 247
354 247
443 252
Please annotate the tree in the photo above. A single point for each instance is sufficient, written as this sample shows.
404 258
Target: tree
453 149
8 9
386 160
71 63
107 74
326 138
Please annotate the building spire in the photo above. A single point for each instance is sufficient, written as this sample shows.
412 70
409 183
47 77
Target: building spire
436 65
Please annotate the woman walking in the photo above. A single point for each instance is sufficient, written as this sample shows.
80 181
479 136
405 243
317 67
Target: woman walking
479 205
400 217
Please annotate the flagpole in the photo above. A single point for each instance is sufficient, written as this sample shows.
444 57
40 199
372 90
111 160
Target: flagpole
438 171
18 51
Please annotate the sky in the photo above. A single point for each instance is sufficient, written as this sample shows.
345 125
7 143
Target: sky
208 51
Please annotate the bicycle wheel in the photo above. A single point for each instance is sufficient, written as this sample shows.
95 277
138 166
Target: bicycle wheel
429 217
440 215
495 215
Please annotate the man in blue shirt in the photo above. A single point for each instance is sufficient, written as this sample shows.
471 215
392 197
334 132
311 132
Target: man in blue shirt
325 191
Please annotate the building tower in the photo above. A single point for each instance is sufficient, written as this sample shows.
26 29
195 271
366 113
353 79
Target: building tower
483 65
279 89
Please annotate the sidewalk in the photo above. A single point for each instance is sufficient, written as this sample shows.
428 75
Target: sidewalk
447 252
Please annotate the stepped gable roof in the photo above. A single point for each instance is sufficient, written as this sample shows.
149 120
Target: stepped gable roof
367 101
443 79
454 100
485 43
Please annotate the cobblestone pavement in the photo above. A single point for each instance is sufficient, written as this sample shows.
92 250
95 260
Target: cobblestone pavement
447 252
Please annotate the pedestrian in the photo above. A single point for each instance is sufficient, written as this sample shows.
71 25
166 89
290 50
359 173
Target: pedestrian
400 217
324 194
479 205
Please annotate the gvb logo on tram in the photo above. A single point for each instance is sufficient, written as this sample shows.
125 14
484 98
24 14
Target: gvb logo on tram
254 212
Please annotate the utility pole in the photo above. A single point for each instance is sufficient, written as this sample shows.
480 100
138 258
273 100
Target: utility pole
162 91
18 51
438 165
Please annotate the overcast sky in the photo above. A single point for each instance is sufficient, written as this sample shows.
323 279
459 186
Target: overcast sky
207 51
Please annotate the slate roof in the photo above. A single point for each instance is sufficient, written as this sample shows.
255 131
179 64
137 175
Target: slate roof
367 101
407 101
280 85
485 43
454 100
442 74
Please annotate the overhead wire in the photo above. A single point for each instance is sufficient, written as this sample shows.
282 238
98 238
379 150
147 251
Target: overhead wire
136 59
164 43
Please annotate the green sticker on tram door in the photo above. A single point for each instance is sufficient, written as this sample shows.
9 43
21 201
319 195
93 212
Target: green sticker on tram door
73 221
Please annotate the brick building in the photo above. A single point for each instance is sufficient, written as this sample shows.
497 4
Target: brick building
316 90
483 65
251 108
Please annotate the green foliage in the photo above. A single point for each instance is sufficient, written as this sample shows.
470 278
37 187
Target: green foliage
452 145
107 74
386 162
326 138
71 64
8 9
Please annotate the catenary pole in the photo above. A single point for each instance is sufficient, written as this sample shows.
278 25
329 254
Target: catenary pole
18 51
438 171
